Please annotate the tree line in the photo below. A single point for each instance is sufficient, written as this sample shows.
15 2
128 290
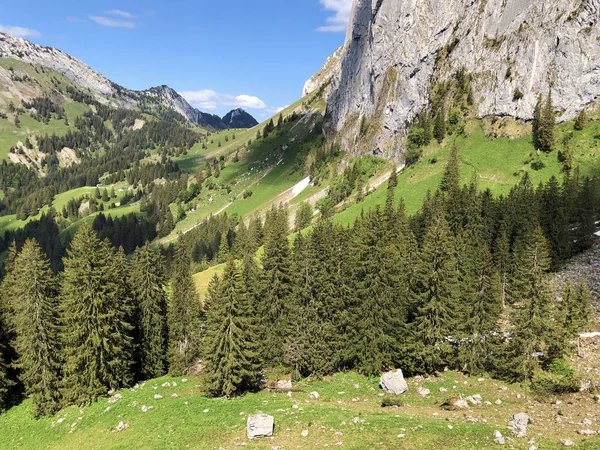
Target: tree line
461 284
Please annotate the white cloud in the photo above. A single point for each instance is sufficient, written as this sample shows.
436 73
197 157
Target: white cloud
207 100
19 31
339 21
113 23
120 13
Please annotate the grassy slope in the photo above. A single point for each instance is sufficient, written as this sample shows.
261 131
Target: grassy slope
10 135
193 421
497 163
266 170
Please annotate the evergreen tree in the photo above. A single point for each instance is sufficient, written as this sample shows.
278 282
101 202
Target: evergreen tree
580 121
554 222
533 326
546 125
95 317
304 216
451 180
185 317
537 119
576 308
229 344
35 321
5 382
147 283
307 349
274 306
435 296
439 126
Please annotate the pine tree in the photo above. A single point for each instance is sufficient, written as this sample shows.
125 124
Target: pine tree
546 125
35 321
304 216
580 121
533 323
5 382
147 284
274 303
95 318
185 317
576 308
230 341
439 126
435 295
451 181
503 261
223 252
483 311
307 349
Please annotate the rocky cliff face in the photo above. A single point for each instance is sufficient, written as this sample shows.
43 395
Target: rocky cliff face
330 69
395 50
105 90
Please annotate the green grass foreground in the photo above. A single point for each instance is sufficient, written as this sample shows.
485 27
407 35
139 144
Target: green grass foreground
348 414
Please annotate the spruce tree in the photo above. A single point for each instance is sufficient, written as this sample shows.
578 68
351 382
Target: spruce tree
580 121
304 216
147 284
274 303
435 295
185 317
95 319
451 181
230 341
439 126
35 321
576 308
546 125
5 382
533 319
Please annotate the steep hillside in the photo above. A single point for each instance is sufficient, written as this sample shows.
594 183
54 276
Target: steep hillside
153 100
397 53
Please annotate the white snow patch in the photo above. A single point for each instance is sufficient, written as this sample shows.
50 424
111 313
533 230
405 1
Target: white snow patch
298 188
589 335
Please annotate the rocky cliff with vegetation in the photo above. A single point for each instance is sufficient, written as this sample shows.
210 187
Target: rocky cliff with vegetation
397 52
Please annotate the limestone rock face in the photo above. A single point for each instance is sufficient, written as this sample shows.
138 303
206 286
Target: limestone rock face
330 69
389 59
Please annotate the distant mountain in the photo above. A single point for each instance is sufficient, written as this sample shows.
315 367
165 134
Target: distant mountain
238 118
161 100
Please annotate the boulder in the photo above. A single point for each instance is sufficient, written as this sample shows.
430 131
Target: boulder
498 438
393 382
518 424
456 403
474 399
423 392
314 395
260 425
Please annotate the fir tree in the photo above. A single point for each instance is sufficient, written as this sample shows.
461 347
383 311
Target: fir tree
35 321
229 344
435 295
184 317
580 121
5 382
147 281
533 316
439 126
546 125
451 181
274 306
304 216
96 332
576 308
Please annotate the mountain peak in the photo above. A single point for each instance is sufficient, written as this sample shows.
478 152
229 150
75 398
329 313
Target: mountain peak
239 118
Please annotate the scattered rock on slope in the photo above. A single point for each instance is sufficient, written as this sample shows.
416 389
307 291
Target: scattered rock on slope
260 425
393 382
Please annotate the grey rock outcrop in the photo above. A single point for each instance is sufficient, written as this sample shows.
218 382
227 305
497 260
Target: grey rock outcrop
330 69
519 424
395 50
393 382
260 425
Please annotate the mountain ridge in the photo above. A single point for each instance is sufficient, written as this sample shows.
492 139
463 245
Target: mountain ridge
103 89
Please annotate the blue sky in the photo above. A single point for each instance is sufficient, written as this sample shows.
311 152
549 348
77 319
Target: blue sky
221 54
